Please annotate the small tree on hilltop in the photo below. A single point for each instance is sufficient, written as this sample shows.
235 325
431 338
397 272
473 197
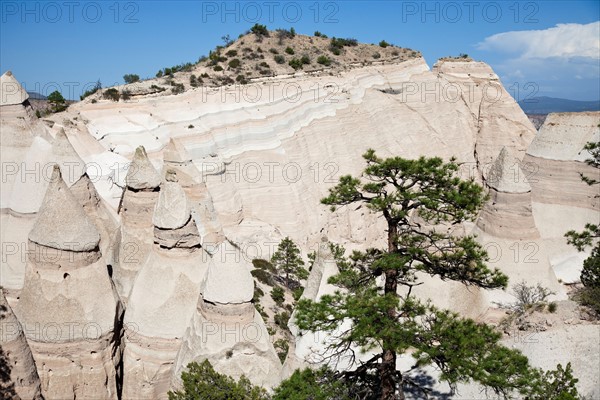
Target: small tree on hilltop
131 78
57 102
387 322
287 261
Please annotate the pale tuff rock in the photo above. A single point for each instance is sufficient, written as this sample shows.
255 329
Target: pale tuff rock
63 261
228 279
15 356
63 153
11 91
142 175
505 175
134 240
62 223
29 188
556 159
175 153
172 210
508 213
163 300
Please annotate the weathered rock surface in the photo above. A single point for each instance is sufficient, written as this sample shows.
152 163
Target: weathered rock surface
72 326
16 360
508 213
142 174
163 299
11 91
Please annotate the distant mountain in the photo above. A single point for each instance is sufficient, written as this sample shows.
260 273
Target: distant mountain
37 96
545 105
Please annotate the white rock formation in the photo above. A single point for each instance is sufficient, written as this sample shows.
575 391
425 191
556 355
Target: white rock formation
15 357
225 328
135 237
11 91
163 298
508 213
71 325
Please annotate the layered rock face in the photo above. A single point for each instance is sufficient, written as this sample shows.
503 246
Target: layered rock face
225 328
508 213
72 326
163 298
556 158
15 357
134 240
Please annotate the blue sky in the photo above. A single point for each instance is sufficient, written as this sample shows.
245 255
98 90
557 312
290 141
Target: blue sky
553 46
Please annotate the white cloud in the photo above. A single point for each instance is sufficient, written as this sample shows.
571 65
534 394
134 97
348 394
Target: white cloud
562 41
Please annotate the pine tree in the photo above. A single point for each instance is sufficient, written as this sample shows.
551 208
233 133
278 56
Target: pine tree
288 263
389 323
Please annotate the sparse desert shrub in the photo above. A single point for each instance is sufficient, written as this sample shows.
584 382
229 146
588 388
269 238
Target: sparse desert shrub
131 78
289 50
336 44
395 53
241 79
319 34
263 276
190 126
295 63
217 68
274 51
589 297
264 64
552 307
383 44
529 297
279 59
157 88
177 88
376 55
305 59
278 295
324 60
204 75
282 347
91 91
263 264
259 30
125 95
111 94
231 53
235 63
282 319
38 114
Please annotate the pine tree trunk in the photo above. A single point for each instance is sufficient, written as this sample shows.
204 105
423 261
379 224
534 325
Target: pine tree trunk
388 364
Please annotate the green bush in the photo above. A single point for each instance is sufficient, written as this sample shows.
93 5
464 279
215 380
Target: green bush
57 102
295 63
235 63
282 319
131 78
305 59
376 55
278 295
589 297
202 382
259 30
279 59
383 44
264 64
324 60
111 94
319 34
263 264
126 95
263 276
321 384
274 51
282 347
231 53
258 293
217 68
241 79
157 88
297 293
177 88
289 50
91 91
